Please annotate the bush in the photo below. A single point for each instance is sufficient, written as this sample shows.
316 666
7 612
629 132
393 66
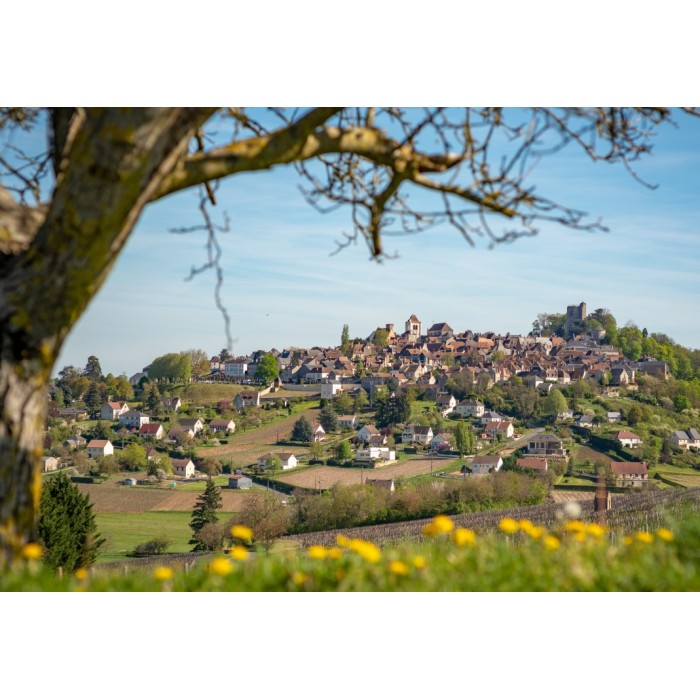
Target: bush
159 545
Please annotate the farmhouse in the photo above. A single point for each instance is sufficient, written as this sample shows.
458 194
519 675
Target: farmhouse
483 464
688 439
152 431
629 473
194 424
628 439
496 427
417 434
183 468
133 419
99 448
347 421
288 460
537 464
469 407
113 409
366 432
222 425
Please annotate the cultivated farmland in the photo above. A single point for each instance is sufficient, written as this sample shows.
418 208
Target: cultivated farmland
330 476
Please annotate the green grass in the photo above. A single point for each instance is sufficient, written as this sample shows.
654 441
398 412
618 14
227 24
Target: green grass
555 561
124 531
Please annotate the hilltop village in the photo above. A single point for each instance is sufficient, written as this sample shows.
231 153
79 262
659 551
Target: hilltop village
424 417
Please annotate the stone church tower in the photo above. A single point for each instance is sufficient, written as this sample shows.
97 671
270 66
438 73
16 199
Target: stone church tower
413 329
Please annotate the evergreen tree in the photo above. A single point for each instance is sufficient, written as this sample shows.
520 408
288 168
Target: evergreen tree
392 410
93 398
204 513
329 418
153 401
345 344
92 369
302 430
67 530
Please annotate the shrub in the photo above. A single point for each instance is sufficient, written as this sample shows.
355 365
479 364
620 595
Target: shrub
159 545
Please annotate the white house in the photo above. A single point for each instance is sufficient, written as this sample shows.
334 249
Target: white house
246 398
365 432
628 439
440 442
113 409
483 464
196 425
99 448
50 464
153 431
382 454
499 427
288 460
237 368
134 419
319 434
417 434
470 408
330 389
347 421
446 404
222 425
183 468
689 439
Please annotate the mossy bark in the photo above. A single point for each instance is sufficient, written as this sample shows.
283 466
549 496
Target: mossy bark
108 172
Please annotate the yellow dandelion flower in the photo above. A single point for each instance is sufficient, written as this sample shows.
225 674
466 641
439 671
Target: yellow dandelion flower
367 550
443 524
627 540
525 525
535 532
419 562
334 553
238 553
299 578
31 551
163 573
462 537
509 526
551 542
242 532
398 568
82 573
596 530
644 537
317 552
221 566
343 541
430 530
579 536
575 526
664 534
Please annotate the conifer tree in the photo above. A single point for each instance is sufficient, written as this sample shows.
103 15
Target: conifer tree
329 418
302 430
204 513
67 530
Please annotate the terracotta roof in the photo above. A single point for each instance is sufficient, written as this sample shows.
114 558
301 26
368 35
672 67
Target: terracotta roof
486 459
622 468
627 435
531 463
98 443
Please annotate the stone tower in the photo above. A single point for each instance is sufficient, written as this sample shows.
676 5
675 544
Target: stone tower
574 315
413 329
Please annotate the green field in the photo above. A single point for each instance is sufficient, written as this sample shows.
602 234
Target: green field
124 531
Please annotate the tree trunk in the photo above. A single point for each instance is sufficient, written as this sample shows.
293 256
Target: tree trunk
112 162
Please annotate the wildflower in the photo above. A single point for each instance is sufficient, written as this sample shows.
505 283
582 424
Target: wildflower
367 550
82 573
31 551
525 525
299 578
664 534
430 530
163 573
575 526
572 510
343 541
596 530
644 537
398 568
238 553
509 526
443 524
580 536
551 542
317 552
535 532
242 532
334 553
463 537
221 566
419 562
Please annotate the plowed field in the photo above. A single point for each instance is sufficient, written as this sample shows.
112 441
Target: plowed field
330 476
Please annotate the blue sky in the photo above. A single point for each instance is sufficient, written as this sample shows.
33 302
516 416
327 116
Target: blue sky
284 288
